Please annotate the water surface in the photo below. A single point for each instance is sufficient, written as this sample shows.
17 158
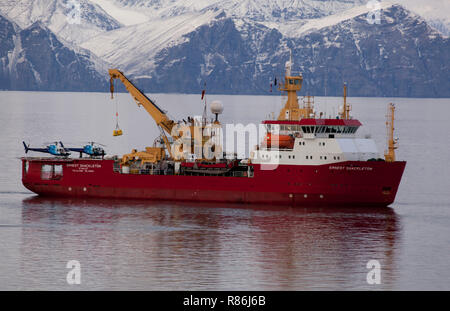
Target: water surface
148 245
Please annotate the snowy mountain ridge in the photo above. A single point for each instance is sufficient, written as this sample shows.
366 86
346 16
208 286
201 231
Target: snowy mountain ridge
55 14
133 47
256 10
238 46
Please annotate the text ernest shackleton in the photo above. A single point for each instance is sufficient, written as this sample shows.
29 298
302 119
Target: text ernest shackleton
84 168
351 168
212 302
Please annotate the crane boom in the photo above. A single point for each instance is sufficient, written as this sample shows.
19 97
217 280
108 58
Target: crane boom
190 135
141 99
160 117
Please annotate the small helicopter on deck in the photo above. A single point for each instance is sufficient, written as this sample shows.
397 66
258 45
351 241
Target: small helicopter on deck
56 149
92 149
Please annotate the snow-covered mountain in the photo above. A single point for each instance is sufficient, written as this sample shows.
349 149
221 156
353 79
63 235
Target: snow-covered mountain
239 46
257 10
133 48
401 56
34 59
435 12
72 20
441 24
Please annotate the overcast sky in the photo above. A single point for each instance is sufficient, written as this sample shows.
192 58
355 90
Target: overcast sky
428 8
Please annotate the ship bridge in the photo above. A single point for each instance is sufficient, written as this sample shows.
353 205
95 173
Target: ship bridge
310 128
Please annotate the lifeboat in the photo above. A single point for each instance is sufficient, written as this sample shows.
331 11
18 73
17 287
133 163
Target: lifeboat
280 141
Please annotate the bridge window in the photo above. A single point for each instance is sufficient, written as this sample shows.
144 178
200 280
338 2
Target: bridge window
308 129
335 129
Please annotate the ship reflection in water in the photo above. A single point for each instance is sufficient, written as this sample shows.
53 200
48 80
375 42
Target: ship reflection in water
165 246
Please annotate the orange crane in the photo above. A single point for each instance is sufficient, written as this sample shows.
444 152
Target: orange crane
164 123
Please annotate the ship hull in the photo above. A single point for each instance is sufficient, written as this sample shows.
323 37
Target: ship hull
346 183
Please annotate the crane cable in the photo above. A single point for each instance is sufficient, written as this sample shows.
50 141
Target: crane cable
117 131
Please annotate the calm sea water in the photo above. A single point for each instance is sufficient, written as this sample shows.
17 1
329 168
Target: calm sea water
185 246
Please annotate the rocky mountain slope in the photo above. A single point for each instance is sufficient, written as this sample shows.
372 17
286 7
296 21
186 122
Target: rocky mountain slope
34 59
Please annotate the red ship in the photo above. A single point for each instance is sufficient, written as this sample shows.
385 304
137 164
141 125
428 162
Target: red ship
305 160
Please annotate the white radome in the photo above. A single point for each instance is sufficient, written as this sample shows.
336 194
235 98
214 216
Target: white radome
216 107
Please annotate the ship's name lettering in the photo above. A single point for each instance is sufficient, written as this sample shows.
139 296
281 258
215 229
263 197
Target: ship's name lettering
351 168
83 168
84 165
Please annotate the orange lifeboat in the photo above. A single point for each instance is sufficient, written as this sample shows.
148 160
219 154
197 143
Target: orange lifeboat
280 141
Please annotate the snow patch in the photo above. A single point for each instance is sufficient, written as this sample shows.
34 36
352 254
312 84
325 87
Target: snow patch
133 48
123 15
300 28
16 55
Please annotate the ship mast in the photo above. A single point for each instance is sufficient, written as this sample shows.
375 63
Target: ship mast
345 113
391 142
308 104
292 84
